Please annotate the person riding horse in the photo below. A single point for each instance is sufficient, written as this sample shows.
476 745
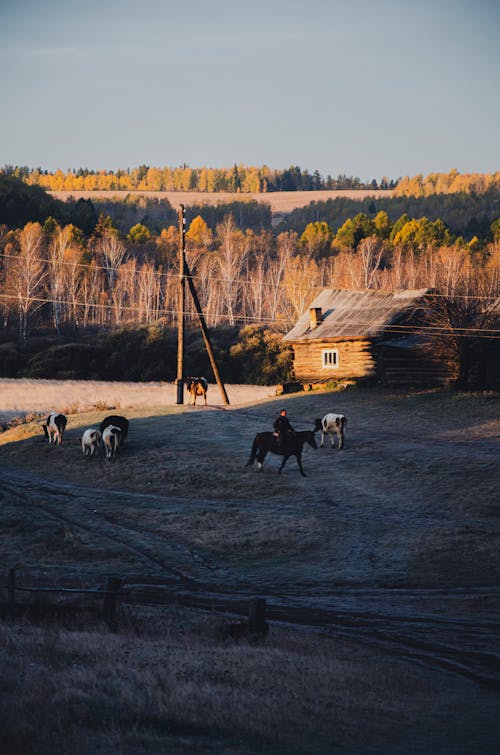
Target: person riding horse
283 430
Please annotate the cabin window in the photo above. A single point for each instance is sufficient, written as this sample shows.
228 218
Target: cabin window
330 358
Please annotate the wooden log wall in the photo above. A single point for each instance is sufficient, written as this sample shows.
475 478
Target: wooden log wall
413 367
355 359
361 358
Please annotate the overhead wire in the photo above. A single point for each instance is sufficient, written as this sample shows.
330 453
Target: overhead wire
241 281
458 331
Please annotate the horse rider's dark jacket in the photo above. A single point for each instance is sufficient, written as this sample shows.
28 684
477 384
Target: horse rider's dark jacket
284 429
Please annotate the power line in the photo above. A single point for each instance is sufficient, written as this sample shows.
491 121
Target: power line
490 333
243 282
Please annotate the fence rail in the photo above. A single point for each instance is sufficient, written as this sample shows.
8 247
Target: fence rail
113 592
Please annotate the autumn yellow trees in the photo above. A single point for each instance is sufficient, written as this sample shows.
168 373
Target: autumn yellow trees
447 183
250 179
237 179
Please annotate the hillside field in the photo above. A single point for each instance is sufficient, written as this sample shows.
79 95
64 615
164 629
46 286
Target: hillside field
281 202
380 570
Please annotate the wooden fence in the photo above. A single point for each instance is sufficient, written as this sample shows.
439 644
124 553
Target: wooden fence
109 598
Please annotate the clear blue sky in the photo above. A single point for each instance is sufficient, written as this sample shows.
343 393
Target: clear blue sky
362 87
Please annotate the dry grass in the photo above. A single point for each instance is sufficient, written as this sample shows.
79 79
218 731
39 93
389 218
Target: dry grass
170 682
21 397
281 202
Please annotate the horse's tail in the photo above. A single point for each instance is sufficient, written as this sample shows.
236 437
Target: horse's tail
253 453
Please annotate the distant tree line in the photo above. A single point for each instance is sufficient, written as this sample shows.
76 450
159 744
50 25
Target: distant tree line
237 179
447 183
247 179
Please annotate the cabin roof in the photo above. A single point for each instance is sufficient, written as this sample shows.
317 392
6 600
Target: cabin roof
354 314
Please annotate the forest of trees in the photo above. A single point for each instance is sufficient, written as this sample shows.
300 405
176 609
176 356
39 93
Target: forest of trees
447 183
60 277
246 179
467 214
237 179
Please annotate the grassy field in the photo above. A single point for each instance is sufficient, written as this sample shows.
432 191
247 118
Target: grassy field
384 559
281 202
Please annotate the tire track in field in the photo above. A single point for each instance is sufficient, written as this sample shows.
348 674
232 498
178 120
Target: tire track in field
85 516
456 645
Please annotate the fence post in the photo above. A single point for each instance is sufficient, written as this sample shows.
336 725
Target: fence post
113 585
257 616
11 593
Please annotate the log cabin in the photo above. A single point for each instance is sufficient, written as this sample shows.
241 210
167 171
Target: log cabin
359 335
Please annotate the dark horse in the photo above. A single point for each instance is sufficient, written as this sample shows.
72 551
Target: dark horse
267 442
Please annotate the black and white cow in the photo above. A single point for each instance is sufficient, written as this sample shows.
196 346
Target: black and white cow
91 440
112 438
332 425
54 428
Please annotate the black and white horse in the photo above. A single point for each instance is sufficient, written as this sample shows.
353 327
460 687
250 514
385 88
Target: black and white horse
197 386
116 421
91 440
112 438
54 428
332 425
267 442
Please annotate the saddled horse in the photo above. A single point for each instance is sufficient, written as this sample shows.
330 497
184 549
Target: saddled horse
265 443
197 386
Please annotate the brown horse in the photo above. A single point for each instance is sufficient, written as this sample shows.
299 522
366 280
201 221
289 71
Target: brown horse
197 386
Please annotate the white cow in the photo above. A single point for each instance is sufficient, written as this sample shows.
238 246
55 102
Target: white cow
111 437
91 440
332 424
54 428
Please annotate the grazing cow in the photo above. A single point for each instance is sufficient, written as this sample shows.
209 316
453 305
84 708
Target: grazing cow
197 386
54 428
332 424
116 421
293 446
91 440
111 437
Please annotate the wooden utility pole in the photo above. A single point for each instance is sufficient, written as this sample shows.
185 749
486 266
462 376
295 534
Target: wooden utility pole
181 307
204 331
185 274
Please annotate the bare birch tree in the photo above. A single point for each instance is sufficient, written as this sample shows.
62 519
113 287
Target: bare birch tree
370 251
124 294
27 276
230 257
276 294
91 290
301 283
149 293
113 252
58 246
